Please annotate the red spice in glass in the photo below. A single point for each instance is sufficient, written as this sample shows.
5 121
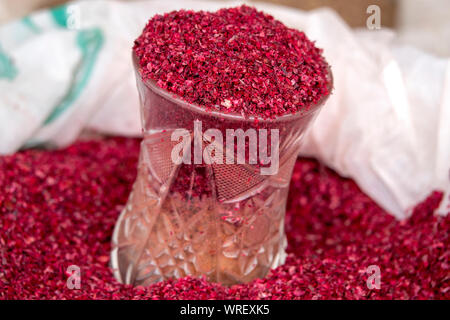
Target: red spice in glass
233 69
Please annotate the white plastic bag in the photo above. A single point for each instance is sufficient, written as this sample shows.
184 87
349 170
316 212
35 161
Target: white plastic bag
386 124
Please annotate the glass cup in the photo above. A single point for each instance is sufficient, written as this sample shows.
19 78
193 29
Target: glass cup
206 206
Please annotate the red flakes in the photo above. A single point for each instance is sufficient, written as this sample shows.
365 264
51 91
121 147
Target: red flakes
58 208
236 60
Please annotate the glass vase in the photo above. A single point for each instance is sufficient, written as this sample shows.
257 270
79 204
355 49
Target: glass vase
194 214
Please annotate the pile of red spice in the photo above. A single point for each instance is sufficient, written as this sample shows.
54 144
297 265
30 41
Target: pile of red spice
236 60
58 208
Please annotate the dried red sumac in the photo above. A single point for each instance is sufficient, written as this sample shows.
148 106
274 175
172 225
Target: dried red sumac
58 208
236 60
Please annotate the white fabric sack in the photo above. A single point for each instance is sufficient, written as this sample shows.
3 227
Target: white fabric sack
386 124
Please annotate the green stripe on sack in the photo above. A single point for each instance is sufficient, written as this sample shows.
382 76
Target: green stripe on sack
31 25
7 69
90 42
60 15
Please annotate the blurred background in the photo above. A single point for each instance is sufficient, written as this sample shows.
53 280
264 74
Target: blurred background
421 23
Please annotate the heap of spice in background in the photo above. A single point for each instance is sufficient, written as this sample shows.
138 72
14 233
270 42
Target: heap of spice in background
58 208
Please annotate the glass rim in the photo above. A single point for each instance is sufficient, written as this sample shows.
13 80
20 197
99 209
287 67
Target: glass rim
176 99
